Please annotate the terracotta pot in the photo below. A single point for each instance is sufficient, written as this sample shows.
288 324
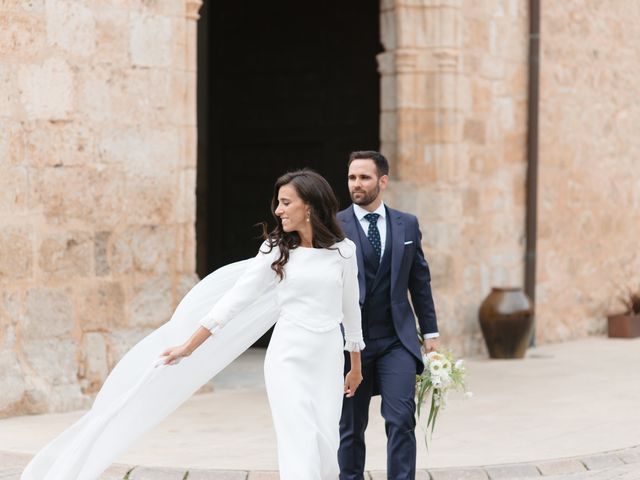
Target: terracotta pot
506 319
623 325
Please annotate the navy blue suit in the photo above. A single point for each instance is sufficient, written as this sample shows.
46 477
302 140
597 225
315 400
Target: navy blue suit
392 356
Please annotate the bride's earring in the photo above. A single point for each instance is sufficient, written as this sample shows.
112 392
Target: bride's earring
308 216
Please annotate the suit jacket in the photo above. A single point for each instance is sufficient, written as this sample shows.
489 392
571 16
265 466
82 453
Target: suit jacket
409 273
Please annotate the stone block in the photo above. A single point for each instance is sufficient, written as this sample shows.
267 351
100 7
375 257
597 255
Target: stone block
459 474
67 254
560 467
53 361
16 256
89 194
100 250
47 89
151 302
115 472
71 26
49 314
22 35
148 152
630 455
600 462
143 249
475 131
50 144
8 94
101 306
150 40
112 36
258 475
519 471
12 381
93 368
150 201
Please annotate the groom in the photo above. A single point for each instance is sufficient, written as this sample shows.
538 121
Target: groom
390 264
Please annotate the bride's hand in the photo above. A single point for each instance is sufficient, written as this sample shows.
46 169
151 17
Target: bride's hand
173 355
351 382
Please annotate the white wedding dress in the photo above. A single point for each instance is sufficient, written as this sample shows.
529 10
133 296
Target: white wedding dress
238 303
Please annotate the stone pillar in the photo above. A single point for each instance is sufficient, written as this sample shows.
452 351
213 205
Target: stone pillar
421 95
452 126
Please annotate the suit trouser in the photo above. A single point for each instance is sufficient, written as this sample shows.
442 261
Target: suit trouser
387 366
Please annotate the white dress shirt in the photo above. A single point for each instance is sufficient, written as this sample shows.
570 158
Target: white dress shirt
382 223
382 228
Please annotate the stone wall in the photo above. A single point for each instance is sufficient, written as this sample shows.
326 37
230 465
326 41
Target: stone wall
589 204
454 127
97 188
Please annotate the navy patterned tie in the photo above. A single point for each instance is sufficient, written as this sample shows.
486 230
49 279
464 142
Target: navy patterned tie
374 234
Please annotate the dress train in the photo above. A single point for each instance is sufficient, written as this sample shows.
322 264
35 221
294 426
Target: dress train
141 391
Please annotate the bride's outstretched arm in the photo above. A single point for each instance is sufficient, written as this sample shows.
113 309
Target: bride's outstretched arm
174 354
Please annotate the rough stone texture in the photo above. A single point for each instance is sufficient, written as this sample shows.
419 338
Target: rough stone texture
589 205
97 153
97 190
453 125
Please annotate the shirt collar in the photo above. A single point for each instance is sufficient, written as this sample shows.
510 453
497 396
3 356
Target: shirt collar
361 212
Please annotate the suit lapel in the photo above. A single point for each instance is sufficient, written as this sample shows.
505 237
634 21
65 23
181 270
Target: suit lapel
350 226
397 251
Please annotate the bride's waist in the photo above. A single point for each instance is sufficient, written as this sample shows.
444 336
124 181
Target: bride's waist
312 323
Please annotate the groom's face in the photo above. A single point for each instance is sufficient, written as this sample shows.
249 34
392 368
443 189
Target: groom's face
364 184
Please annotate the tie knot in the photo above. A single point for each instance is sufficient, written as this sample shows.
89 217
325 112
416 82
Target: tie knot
372 217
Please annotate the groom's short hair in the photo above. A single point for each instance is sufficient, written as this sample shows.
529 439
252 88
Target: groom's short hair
382 166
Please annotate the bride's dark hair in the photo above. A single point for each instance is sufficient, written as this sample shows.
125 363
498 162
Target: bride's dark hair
316 192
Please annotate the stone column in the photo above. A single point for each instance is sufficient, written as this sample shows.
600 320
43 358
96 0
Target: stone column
421 95
453 128
187 178
421 131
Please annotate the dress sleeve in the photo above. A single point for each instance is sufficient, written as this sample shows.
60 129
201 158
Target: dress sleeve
351 317
255 280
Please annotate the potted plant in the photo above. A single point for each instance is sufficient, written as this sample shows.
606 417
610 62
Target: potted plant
626 324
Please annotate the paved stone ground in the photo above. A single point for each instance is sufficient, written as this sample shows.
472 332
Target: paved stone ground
618 465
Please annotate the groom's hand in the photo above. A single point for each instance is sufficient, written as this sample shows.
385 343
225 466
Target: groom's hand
351 382
431 345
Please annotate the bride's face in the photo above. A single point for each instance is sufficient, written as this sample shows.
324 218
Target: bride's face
291 210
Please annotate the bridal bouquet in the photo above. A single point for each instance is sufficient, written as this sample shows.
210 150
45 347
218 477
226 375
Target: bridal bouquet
441 375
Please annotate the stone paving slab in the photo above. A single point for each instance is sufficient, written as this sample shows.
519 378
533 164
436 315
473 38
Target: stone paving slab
599 462
618 465
459 474
502 472
561 467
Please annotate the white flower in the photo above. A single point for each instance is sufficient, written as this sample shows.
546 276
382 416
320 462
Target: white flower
431 356
468 394
459 365
436 367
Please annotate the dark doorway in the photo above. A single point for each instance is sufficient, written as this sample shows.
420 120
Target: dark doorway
281 85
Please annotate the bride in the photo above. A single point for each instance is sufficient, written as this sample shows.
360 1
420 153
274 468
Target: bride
305 278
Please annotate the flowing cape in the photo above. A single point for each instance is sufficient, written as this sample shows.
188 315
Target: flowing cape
141 390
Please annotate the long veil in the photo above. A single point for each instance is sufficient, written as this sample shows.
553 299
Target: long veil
141 391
